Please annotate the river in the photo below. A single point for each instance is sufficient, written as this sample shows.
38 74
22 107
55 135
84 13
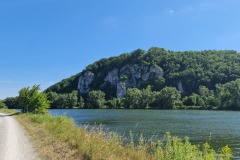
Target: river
216 127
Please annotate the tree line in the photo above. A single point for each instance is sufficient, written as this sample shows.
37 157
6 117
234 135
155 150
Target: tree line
225 97
29 100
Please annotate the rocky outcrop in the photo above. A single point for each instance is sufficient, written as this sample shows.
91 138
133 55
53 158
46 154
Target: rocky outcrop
128 76
131 76
84 82
121 89
113 76
180 87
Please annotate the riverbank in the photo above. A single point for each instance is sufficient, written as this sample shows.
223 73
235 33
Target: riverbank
8 111
60 138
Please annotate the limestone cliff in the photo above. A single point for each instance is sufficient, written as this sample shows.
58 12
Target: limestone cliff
84 81
128 76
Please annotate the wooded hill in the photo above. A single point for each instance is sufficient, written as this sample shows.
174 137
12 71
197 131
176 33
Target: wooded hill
191 73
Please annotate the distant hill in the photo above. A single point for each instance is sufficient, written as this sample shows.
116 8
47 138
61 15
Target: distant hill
65 86
156 67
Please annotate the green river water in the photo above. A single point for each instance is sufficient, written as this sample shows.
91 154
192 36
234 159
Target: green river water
216 127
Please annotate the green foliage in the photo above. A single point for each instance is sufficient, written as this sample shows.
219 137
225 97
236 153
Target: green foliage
135 98
97 144
67 100
96 99
65 86
192 68
229 95
81 103
30 100
167 98
114 103
190 100
175 148
8 111
201 74
2 105
11 102
72 99
147 97
132 98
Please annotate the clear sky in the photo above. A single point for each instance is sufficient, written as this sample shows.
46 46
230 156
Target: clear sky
45 41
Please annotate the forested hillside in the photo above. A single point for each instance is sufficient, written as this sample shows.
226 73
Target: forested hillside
191 78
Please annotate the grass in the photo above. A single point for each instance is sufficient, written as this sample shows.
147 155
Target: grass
8 111
60 138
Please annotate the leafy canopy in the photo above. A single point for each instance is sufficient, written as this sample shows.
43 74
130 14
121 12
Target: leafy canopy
2 105
31 100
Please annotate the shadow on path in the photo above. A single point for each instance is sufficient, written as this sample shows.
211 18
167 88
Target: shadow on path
6 115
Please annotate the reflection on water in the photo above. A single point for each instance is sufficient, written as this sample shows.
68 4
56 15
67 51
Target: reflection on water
216 127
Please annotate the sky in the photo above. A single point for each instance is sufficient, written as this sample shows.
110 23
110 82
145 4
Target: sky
45 41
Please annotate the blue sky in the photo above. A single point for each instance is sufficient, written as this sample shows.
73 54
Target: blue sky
45 41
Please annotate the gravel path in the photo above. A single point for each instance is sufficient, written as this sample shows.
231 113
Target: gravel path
14 143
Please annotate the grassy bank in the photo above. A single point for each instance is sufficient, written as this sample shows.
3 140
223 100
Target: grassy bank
59 138
8 111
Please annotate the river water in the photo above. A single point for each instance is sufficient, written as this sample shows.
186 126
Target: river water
216 127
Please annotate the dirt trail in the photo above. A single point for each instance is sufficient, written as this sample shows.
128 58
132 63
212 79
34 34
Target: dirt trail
14 143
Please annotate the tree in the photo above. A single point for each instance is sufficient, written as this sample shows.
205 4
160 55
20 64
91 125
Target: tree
114 103
11 102
146 97
207 98
2 105
204 91
53 99
68 100
229 95
31 100
190 100
132 98
167 98
96 99
81 102
72 99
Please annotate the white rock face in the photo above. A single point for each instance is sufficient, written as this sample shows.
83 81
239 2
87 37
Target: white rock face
152 70
136 75
84 81
121 89
112 76
180 87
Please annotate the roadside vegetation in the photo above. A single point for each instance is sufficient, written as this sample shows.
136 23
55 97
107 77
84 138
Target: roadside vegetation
4 108
60 138
2 105
8 111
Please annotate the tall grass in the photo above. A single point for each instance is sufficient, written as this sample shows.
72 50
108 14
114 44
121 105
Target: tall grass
8 111
97 145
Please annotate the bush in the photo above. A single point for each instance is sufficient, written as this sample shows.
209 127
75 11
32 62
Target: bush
2 105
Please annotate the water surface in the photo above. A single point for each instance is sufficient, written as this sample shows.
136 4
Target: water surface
216 127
